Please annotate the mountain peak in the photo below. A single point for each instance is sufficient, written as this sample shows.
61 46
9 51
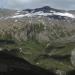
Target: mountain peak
45 7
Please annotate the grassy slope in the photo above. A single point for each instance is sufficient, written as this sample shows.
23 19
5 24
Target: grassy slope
34 52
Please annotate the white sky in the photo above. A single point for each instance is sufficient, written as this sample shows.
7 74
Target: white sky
23 4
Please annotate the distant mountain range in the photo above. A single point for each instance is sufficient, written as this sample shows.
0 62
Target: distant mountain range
49 12
43 11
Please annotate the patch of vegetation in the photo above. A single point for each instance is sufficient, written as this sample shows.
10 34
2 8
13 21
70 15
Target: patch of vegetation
54 64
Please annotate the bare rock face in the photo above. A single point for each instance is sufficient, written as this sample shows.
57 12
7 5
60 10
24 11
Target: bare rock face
23 25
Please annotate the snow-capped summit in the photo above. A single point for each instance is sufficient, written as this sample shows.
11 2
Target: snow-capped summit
44 11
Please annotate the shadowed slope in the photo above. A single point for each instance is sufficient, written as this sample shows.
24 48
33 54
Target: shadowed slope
11 65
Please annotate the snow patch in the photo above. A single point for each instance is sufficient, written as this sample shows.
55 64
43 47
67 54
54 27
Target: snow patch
41 13
17 16
65 14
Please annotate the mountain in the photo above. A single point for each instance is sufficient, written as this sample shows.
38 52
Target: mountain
59 23
43 36
43 11
53 24
48 11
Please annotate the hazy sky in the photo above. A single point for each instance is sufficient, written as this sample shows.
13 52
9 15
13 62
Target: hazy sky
23 4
